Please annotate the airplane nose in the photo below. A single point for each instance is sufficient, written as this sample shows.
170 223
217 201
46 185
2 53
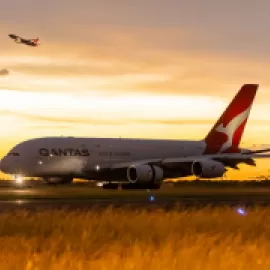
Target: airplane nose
8 165
3 164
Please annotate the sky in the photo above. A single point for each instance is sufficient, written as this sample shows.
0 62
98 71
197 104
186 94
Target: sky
138 69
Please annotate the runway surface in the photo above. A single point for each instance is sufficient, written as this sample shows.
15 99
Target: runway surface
83 198
140 203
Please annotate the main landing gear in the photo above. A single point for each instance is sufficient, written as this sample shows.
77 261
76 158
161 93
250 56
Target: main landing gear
130 186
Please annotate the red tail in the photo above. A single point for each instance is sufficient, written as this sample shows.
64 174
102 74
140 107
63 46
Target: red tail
226 134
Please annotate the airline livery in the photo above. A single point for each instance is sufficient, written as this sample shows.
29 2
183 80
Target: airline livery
139 163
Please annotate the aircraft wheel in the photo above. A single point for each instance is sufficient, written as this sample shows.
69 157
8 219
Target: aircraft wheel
110 186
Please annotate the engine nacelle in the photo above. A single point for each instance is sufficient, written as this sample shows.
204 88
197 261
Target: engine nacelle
144 174
57 180
208 168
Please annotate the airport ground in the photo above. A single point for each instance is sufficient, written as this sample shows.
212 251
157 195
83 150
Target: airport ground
32 194
217 225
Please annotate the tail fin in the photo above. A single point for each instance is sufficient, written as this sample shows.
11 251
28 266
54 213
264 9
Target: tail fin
226 134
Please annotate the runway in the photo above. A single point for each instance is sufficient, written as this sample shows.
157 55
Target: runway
149 201
83 197
165 203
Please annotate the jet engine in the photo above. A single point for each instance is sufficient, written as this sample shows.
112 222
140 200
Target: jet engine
208 168
143 174
57 180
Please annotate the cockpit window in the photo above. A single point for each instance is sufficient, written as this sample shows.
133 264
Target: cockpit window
16 154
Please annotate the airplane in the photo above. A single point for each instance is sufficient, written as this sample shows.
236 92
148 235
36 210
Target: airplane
29 42
138 163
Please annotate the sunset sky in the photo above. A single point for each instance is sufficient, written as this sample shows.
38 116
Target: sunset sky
140 69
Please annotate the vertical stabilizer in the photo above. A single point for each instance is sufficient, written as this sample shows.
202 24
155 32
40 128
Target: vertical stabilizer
226 134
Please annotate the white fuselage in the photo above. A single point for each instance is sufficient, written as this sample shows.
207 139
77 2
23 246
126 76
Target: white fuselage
82 157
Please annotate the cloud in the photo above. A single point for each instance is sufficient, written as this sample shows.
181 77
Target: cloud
4 72
158 73
158 56
99 121
71 121
56 120
118 52
167 26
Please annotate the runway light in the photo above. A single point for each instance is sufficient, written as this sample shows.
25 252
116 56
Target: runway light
241 211
19 179
152 198
100 184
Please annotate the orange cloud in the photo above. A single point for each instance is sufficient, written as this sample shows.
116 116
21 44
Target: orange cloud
97 121
140 54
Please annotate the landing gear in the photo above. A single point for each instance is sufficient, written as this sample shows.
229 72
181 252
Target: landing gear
128 186
18 179
141 186
110 186
224 176
57 180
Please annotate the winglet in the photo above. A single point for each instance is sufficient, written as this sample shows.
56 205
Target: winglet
226 134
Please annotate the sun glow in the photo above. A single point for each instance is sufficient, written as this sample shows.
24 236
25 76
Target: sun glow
127 107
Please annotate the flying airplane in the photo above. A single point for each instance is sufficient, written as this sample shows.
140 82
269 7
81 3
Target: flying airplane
29 42
138 163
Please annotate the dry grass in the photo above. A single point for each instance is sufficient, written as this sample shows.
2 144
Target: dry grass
128 239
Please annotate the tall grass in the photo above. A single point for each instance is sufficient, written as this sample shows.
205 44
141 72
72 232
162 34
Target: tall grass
217 238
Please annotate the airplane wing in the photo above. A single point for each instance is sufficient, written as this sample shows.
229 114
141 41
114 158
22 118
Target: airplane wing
13 36
259 151
223 158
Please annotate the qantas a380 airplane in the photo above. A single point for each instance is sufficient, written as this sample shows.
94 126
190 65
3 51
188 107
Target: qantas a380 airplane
138 163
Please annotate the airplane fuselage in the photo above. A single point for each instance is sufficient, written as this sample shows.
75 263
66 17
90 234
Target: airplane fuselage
85 157
20 40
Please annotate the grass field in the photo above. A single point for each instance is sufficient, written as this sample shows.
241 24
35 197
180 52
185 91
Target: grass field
115 239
